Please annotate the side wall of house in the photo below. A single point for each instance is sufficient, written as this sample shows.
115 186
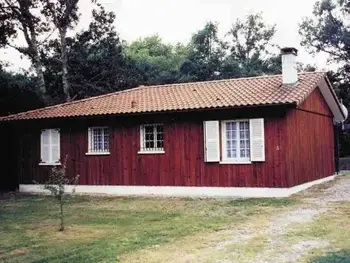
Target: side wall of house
310 141
8 154
182 164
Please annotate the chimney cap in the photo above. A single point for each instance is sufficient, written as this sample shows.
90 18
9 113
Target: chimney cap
289 50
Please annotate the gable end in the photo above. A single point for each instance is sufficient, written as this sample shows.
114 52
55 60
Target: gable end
338 110
316 103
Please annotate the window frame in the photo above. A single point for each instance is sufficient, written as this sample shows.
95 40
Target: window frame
51 162
237 160
154 150
90 141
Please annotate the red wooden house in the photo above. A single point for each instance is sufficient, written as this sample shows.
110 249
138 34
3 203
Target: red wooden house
260 136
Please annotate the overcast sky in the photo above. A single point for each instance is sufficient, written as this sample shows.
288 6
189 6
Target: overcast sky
176 20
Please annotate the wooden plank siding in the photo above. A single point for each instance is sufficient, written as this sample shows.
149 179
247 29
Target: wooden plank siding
298 144
310 141
181 165
8 158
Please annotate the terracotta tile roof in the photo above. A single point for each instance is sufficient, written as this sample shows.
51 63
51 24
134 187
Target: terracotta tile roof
254 91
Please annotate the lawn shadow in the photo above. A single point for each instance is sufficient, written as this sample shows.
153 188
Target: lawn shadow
341 256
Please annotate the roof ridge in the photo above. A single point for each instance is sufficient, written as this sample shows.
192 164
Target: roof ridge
229 79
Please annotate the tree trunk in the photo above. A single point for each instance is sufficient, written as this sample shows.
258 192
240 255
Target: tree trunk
30 35
40 74
61 214
64 61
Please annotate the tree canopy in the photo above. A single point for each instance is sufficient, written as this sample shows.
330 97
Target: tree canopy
95 60
155 61
327 31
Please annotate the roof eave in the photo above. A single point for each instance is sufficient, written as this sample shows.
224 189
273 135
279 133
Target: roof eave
286 104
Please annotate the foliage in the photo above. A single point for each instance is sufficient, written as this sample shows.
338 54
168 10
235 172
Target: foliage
155 61
96 63
247 53
250 47
24 17
56 185
63 14
17 93
328 31
205 56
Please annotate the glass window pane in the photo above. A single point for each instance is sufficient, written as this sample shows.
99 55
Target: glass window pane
234 135
233 126
149 144
160 144
160 136
149 137
148 129
233 153
106 140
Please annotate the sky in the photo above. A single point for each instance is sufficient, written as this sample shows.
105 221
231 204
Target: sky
176 20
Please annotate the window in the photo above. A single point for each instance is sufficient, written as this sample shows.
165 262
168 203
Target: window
241 141
236 141
98 140
50 147
152 138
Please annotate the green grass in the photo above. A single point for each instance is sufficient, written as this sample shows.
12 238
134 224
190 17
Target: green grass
101 229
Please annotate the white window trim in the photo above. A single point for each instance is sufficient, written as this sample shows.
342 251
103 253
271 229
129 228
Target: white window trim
142 139
224 159
150 152
238 161
97 153
90 142
59 148
50 164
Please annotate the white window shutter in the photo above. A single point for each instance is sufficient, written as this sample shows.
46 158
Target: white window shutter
257 140
89 139
45 146
211 141
55 146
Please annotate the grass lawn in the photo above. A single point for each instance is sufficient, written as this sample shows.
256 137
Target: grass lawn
108 229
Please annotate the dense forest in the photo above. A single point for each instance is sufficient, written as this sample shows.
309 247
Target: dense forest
95 60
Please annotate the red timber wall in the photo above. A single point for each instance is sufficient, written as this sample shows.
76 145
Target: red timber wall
298 144
310 141
181 165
